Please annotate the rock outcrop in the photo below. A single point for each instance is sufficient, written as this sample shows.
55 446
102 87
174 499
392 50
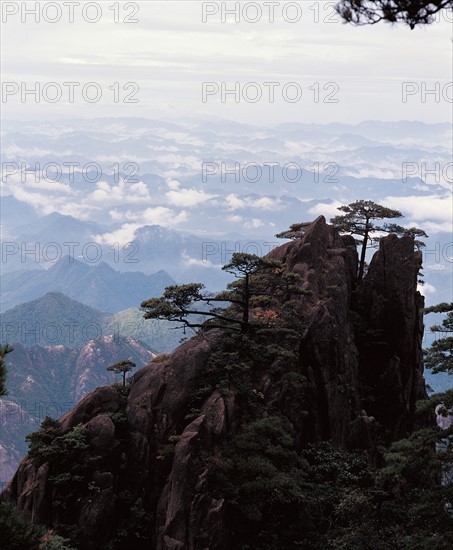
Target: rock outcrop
359 351
391 332
328 354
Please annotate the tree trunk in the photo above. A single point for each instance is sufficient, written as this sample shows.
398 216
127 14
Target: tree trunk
245 310
363 253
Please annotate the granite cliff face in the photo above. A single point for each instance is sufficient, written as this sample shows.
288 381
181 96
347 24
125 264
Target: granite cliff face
390 339
359 352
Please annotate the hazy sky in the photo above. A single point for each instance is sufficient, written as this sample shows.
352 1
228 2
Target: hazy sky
168 54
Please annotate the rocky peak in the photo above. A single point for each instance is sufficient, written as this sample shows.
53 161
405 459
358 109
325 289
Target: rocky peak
358 355
390 334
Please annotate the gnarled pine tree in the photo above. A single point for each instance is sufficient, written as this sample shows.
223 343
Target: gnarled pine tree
122 367
256 277
359 219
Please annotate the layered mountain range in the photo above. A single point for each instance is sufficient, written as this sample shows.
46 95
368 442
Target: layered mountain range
187 192
98 285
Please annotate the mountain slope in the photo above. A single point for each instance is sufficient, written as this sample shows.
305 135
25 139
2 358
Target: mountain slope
54 319
48 381
98 286
162 336
64 227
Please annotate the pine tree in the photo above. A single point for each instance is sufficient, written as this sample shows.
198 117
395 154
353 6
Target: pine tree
439 357
122 367
4 349
178 301
359 219
295 231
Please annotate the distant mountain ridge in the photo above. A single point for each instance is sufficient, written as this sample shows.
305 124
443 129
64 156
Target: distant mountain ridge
98 286
56 320
64 227
58 244
52 319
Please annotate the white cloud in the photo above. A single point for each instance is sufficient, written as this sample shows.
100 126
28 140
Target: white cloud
426 289
182 47
125 234
120 193
372 172
118 216
265 203
34 180
178 160
75 209
436 212
254 223
181 137
325 209
163 216
170 174
46 205
187 197
158 215
234 219
432 227
233 202
104 158
189 261
172 183
35 152
423 208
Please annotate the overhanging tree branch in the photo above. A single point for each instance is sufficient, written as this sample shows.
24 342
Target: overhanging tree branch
409 12
178 302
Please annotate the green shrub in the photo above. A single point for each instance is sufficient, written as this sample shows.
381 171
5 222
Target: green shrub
261 468
16 531
47 443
